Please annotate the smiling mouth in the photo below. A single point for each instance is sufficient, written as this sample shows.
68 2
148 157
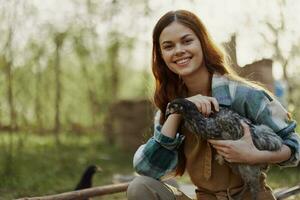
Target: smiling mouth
183 62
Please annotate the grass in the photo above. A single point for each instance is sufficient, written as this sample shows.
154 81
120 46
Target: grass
287 177
37 166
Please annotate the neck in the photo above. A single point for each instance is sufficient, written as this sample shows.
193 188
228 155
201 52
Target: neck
199 82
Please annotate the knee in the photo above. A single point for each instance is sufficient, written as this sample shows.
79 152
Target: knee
140 187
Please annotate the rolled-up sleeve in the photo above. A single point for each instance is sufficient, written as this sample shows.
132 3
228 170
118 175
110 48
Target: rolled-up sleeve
265 110
293 143
290 139
158 156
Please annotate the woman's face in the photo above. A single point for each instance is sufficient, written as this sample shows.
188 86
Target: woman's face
181 49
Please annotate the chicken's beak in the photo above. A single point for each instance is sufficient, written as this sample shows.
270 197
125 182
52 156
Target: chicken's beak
99 169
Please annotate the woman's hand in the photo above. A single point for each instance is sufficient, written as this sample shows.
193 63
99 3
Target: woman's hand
241 151
204 104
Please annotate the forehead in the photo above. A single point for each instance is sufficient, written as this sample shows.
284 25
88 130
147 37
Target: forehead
174 31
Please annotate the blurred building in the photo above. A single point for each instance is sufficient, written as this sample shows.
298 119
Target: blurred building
259 71
129 123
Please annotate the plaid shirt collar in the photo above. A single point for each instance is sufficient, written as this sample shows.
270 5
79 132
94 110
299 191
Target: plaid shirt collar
220 89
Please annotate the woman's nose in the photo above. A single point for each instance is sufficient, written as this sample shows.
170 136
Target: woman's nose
179 50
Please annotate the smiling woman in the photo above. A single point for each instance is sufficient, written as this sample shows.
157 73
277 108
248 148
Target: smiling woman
181 50
186 63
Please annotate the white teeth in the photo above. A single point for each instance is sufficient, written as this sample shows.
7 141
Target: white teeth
183 61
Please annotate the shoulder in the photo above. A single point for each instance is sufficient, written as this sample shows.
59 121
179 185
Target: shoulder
247 100
250 101
253 103
242 91
234 88
257 105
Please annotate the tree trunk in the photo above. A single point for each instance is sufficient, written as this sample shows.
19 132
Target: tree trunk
90 93
114 65
57 72
37 101
9 162
9 81
59 39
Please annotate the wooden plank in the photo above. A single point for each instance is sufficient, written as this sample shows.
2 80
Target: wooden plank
283 194
83 194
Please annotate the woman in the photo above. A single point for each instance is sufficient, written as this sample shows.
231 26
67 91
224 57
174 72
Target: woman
187 64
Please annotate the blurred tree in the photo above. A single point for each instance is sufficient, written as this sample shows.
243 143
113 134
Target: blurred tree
7 67
83 60
84 38
114 65
9 10
279 30
59 38
38 51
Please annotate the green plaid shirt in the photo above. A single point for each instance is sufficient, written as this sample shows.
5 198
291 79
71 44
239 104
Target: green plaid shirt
159 155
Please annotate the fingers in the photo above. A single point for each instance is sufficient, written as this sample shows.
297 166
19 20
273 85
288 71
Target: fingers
204 104
215 103
246 128
222 150
244 124
199 106
225 153
202 108
206 108
220 143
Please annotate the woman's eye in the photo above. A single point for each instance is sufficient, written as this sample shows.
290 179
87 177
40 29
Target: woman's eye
187 41
167 47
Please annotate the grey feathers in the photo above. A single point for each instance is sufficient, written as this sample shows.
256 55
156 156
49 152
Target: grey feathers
226 125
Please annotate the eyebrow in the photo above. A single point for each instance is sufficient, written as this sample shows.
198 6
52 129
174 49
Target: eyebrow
183 37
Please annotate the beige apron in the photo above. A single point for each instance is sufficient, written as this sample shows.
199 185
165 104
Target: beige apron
213 180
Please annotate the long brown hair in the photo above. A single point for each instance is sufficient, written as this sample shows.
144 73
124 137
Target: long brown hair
168 85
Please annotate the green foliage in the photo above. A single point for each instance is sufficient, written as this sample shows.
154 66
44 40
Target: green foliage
85 52
138 86
285 177
40 167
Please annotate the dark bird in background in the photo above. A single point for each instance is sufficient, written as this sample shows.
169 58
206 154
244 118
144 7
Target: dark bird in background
226 125
87 176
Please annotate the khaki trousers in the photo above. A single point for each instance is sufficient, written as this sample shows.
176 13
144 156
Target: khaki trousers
147 188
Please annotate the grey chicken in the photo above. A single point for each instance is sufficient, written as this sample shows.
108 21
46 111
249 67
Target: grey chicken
226 125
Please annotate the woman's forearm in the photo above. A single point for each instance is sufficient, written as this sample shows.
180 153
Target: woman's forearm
273 156
171 125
